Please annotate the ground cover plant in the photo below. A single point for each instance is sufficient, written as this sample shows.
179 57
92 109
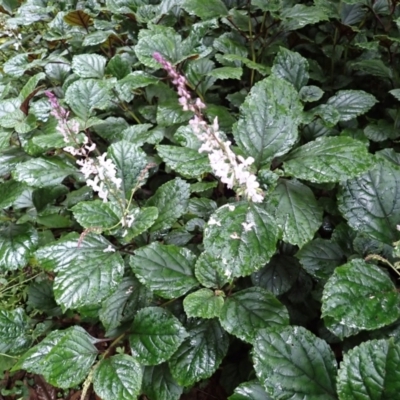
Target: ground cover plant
200 199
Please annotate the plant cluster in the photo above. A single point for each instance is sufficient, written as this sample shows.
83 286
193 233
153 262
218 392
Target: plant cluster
200 196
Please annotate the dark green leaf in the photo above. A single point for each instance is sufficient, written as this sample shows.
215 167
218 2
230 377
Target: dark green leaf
206 271
15 333
10 191
211 9
250 391
203 303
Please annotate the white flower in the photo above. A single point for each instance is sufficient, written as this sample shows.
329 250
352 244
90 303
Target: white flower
235 236
231 207
247 226
213 221
109 249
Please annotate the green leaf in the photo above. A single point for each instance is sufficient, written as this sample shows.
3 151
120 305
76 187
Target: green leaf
209 10
296 210
30 86
64 358
226 73
320 257
370 371
119 66
380 131
310 93
395 93
291 362
187 162
84 96
167 270
250 391
329 159
127 85
156 335
118 377
268 122
203 303
172 200
158 383
361 296
142 219
247 311
200 354
41 297
77 286
278 275
371 203
89 65
129 297
131 162
10 191
243 236
17 242
43 172
170 112
352 103
301 15
206 271
15 332
96 214
292 67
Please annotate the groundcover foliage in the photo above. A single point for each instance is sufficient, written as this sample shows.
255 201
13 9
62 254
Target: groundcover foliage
201 195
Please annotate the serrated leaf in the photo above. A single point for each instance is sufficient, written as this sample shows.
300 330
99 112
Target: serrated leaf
142 219
243 236
250 391
209 10
371 203
75 286
84 96
380 131
129 297
89 65
370 371
278 275
292 67
320 257
268 122
226 73
42 172
172 200
310 93
200 354
41 297
395 93
156 335
96 214
329 159
17 243
158 383
247 311
10 191
78 18
203 303
118 377
301 15
187 162
206 271
352 103
167 270
291 362
131 162
361 296
296 211
64 358
118 66
15 332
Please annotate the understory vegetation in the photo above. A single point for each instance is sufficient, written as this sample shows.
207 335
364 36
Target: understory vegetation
199 199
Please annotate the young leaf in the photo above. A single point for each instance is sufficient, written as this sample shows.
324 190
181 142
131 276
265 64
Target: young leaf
200 354
167 270
268 122
243 236
296 211
158 383
292 67
156 335
64 358
370 371
89 65
361 296
250 391
352 103
371 203
203 303
118 377
291 362
85 273
329 159
17 243
171 199
247 311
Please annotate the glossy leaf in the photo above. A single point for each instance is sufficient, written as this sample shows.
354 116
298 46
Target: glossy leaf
15 333
200 354
249 310
268 122
361 296
118 377
207 272
89 65
291 362
167 270
155 335
250 391
203 303
211 9
329 159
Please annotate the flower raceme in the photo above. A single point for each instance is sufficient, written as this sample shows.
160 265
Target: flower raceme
231 169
